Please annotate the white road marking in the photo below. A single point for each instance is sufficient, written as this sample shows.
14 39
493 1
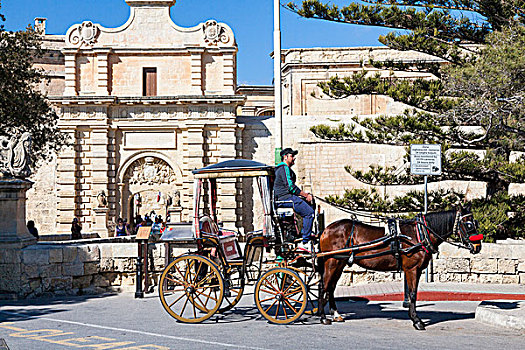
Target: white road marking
138 332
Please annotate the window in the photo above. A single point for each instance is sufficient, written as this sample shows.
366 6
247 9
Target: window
149 82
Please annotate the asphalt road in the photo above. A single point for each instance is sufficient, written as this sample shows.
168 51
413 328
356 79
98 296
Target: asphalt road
122 322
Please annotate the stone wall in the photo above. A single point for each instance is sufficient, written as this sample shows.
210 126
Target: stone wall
76 269
497 263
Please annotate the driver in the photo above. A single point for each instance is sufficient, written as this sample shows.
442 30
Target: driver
285 189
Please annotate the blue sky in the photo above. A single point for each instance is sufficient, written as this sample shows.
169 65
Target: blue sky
251 21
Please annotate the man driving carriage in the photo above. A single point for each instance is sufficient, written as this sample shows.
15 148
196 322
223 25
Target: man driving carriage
285 189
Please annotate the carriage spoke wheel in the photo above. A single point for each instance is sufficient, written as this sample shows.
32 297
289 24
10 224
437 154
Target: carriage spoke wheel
281 295
233 289
191 288
311 279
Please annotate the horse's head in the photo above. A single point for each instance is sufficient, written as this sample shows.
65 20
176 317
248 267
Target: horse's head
467 229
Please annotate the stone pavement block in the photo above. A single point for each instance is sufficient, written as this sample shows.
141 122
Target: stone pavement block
125 250
89 253
35 256
521 267
56 255
52 270
480 265
91 268
106 250
10 256
507 266
458 265
73 269
69 254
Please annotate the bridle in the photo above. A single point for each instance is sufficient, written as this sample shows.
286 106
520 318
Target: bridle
465 226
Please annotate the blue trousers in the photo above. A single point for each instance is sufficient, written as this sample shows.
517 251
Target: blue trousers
302 208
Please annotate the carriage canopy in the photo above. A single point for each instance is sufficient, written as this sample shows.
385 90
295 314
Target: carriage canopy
235 168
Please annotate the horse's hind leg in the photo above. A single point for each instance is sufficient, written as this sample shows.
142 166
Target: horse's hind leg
329 280
412 277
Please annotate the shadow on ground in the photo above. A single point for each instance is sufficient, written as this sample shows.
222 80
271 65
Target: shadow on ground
14 314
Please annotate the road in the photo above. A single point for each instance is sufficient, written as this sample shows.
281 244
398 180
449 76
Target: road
122 322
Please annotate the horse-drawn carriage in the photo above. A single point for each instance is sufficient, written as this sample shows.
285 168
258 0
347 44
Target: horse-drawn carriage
211 277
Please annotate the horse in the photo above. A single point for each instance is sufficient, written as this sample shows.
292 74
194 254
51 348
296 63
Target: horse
409 248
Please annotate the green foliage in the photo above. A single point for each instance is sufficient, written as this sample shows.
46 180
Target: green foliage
413 201
22 107
474 103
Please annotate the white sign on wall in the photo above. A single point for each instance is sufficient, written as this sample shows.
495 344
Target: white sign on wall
425 159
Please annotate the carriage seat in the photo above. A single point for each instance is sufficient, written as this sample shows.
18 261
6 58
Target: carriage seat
284 208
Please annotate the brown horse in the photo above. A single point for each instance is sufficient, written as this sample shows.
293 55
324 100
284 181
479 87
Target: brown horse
411 251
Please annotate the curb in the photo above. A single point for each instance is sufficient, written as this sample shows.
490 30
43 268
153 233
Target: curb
438 296
508 314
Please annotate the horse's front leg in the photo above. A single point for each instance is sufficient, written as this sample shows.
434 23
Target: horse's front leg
336 317
412 277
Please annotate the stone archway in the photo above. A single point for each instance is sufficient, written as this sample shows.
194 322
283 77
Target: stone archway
147 185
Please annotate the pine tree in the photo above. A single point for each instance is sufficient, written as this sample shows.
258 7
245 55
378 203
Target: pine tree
475 101
22 106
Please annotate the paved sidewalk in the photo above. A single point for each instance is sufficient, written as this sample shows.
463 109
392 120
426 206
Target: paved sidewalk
502 304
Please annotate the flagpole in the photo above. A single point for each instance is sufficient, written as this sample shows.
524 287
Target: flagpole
278 132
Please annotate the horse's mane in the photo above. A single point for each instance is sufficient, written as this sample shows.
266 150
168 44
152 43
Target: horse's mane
441 222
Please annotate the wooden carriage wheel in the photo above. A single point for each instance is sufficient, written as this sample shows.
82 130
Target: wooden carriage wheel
191 288
233 289
311 279
281 295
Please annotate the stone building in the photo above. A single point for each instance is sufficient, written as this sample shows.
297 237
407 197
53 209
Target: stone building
147 102
144 104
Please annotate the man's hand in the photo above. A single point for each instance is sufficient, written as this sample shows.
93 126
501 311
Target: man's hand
309 197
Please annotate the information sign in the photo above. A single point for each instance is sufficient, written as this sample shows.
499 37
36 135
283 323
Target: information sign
425 159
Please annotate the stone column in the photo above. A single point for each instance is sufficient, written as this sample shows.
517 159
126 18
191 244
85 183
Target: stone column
100 178
67 167
70 63
227 190
103 85
193 159
197 87
229 72
13 230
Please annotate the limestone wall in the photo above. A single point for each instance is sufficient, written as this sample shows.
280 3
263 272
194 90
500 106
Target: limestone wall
75 269
41 204
497 263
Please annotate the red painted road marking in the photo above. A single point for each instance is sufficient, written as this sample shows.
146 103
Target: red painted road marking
443 296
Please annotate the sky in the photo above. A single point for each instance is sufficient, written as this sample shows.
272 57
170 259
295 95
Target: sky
251 21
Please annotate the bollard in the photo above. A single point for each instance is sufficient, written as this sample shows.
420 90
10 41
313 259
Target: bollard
139 293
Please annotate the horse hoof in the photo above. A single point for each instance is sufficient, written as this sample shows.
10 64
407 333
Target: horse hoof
406 304
339 319
326 321
419 326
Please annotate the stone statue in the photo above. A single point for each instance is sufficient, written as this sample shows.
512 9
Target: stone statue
176 198
102 199
14 157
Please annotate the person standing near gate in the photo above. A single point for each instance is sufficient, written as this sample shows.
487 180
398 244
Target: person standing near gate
285 189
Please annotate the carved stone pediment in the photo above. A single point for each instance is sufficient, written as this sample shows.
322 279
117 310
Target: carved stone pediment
84 34
214 33
150 171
